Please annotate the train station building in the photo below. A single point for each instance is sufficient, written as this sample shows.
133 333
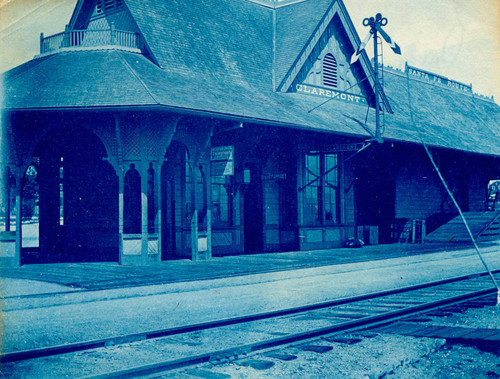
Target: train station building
154 130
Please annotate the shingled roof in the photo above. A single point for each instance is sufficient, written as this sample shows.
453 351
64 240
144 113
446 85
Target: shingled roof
218 58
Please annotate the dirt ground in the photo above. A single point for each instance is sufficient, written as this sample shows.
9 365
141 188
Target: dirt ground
370 355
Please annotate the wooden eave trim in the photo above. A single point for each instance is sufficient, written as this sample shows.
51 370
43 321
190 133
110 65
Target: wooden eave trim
182 111
256 121
76 13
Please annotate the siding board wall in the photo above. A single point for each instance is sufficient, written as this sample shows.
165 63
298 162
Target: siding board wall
418 192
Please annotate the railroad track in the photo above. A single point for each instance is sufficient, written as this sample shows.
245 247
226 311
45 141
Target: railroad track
162 350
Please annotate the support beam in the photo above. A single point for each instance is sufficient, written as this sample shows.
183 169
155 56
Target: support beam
158 202
120 214
121 174
144 209
19 219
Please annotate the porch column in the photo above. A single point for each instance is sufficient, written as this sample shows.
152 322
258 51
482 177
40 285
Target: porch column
144 210
6 195
19 220
195 226
120 172
149 203
201 246
158 219
120 214
207 194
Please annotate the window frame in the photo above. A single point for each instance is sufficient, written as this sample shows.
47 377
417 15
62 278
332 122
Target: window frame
223 185
322 185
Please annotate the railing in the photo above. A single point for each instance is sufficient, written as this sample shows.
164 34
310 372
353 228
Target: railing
89 38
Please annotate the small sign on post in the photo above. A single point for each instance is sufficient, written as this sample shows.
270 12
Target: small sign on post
221 158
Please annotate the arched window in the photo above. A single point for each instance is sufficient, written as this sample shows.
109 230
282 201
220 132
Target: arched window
329 71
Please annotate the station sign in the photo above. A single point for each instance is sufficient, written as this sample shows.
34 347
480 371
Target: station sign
355 146
329 93
222 161
222 153
273 177
433 78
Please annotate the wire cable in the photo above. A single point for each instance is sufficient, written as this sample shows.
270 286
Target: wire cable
338 93
412 120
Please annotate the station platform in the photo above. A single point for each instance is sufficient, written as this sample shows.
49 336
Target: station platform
105 275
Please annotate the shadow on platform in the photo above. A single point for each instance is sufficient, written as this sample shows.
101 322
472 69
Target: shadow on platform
111 275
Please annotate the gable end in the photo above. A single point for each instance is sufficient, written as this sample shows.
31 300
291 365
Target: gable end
334 35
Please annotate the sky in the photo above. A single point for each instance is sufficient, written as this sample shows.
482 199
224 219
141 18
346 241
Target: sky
458 39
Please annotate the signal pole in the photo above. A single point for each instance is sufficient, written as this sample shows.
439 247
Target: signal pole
375 23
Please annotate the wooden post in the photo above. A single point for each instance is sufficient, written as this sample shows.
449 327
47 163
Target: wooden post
137 39
194 236
113 32
194 218
207 200
41 44
209 234
66 37
144 209
158 219
7 188
120 213
121 177
19 213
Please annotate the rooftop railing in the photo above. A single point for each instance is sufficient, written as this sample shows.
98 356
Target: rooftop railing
89 38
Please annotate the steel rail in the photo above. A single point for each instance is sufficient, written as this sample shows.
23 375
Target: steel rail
362 323
152 334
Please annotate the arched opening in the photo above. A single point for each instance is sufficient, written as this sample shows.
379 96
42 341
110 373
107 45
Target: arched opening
77 199
30 210
132 201
175 198
184 190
